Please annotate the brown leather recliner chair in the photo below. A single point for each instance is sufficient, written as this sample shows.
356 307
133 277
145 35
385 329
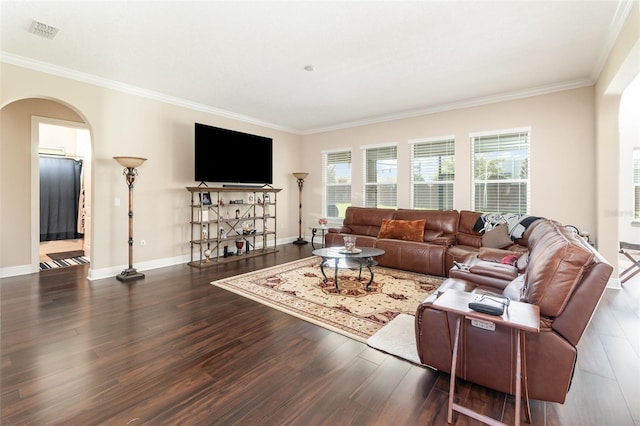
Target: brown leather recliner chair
566 278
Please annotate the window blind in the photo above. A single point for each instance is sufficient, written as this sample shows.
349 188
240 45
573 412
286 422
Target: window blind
381 177
433 174
337 183
501 172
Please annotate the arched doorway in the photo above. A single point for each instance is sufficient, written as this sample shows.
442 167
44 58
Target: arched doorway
19 179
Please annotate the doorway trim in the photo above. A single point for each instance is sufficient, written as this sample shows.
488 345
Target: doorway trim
35 179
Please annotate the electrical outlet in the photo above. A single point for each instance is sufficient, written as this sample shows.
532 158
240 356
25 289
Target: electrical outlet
116 201
143 242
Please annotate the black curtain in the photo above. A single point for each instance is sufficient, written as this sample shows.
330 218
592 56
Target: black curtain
59 198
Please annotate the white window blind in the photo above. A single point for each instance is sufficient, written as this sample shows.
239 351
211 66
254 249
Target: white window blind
337 183
432 174
636 184
501 172
381 177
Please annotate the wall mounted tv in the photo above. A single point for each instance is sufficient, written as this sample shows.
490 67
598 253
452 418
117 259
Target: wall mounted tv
232 158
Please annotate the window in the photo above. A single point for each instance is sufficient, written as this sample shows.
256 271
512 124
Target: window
636 184
337 183
432 173
381 177
501 172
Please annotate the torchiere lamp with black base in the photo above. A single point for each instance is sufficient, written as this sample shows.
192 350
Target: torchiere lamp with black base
130 172
300 177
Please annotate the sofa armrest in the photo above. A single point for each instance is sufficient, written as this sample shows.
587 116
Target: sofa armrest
495 270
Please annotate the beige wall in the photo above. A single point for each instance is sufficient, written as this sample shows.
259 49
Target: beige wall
124 124
620 69
562 151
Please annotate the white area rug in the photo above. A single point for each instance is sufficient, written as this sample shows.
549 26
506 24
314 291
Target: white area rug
397 338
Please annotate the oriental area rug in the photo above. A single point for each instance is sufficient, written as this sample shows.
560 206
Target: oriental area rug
297 288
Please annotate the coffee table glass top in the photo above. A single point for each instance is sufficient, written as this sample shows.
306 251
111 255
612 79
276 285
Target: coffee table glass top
339 252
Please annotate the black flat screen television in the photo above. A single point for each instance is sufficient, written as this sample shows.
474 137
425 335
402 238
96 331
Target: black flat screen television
231 157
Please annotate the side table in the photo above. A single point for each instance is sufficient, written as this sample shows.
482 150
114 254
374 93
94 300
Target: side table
314 231
519 317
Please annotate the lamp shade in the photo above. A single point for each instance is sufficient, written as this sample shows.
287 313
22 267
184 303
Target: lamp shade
300 175
130 162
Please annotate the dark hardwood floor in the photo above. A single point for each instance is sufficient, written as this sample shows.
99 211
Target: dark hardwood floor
173 349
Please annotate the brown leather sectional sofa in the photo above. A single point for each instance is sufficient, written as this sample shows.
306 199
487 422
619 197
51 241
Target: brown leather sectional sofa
448 236
557 270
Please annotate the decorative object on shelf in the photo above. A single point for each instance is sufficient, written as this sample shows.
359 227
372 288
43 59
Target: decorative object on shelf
267 198
239 244
223 234
300 178
221 202
207 255
237 213
205 233
322 221
205 198
250 198
259 201
130 172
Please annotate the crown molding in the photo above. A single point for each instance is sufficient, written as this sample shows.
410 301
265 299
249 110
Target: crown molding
134 90
576 84
47 68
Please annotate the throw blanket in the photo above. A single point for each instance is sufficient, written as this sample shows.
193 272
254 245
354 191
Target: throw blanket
516 223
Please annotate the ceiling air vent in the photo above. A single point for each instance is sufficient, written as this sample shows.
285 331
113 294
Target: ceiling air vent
43 30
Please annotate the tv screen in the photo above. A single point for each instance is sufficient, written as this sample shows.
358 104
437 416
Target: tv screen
231 157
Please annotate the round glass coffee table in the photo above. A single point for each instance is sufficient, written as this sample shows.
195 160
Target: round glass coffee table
338 257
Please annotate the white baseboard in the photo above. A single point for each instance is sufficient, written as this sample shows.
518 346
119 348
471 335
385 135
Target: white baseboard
112 271
13 271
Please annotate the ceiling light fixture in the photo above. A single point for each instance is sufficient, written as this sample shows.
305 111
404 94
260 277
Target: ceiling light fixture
43 30
308 68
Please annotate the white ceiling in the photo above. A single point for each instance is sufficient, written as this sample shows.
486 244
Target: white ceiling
374 60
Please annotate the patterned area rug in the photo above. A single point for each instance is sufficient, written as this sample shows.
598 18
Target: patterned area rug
297 288
61 263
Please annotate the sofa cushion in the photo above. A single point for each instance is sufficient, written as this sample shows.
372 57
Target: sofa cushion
466 235
366 220
556 264
408 230
498 237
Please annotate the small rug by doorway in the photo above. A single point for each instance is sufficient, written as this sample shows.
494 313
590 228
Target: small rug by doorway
65 254
297 288
62 263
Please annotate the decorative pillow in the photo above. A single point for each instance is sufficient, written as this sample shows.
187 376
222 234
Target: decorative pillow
498 237
510 259
515 289
408 230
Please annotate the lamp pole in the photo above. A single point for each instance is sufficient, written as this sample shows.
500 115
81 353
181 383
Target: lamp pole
300 177
130 172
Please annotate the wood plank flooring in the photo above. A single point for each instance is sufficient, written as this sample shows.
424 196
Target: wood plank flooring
173 349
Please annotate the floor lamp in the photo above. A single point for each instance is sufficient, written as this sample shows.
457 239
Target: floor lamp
300 177
130 172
